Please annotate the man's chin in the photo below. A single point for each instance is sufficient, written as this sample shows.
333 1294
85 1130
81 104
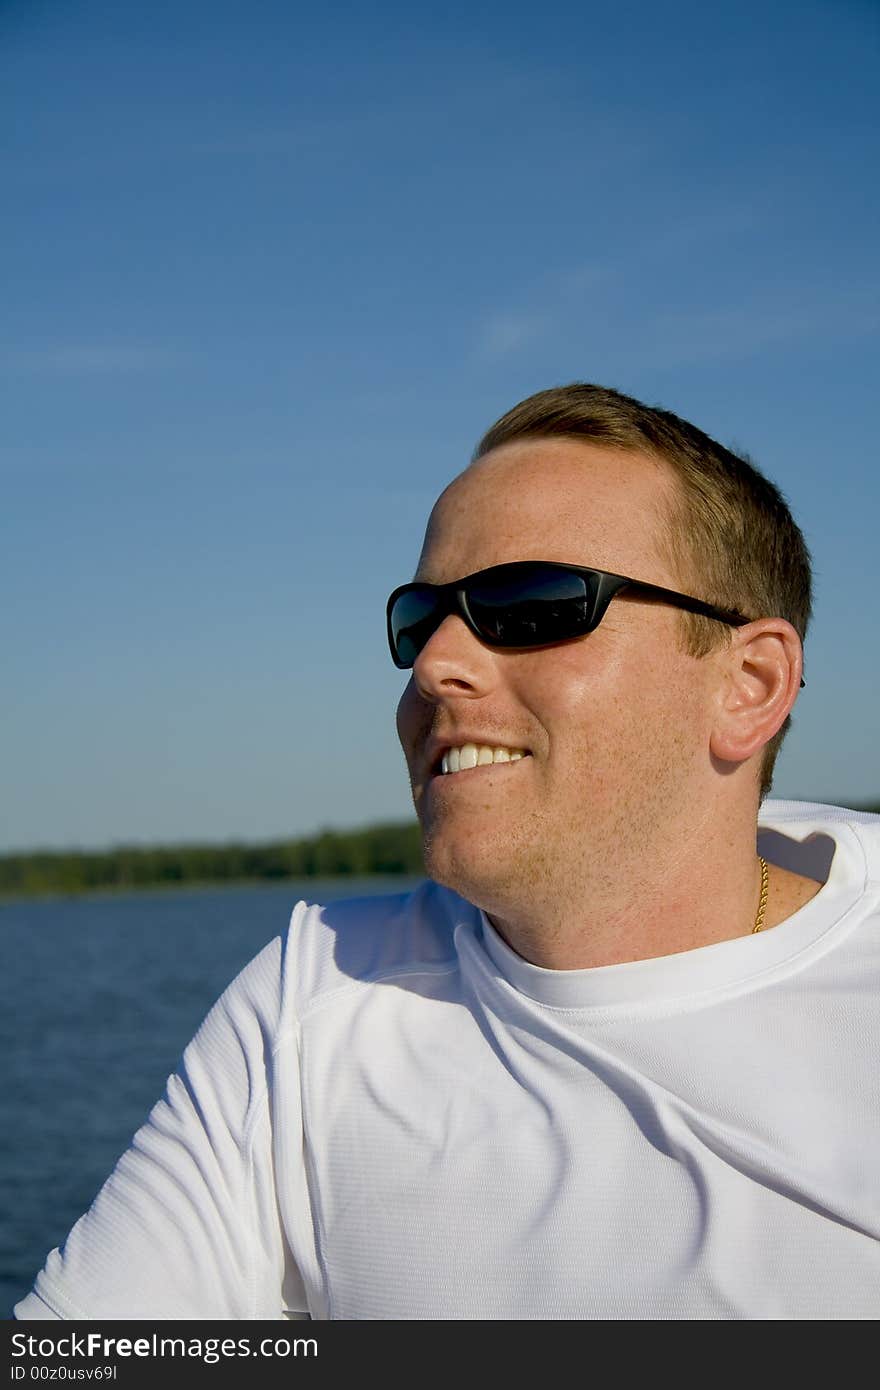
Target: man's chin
475 870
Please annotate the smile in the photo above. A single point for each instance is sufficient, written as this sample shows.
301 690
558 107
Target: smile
477 755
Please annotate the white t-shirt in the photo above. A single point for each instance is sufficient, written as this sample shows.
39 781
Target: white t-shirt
390 1114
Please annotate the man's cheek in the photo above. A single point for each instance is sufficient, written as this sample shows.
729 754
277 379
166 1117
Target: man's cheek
408 717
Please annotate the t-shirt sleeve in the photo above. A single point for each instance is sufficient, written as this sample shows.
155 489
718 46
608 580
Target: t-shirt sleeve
187 1224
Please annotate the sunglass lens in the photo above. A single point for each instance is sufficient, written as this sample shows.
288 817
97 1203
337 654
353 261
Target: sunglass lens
530 605
415 617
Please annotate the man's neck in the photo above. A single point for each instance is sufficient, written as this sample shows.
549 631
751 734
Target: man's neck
680 909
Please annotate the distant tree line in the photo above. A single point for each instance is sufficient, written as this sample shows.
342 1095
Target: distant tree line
378 849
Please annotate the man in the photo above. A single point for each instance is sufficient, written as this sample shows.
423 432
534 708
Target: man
617 1058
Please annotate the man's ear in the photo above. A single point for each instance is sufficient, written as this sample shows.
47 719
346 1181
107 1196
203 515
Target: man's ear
760 679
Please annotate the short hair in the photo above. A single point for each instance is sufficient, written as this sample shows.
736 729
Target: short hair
732 537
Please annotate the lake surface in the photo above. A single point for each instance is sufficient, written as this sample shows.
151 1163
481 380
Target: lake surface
98 998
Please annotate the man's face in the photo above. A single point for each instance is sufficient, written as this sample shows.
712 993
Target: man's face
614 726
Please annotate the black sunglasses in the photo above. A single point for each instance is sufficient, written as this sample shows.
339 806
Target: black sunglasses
529 603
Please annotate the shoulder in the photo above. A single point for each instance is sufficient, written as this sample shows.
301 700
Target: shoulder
327 948
818 812
806 836
362 939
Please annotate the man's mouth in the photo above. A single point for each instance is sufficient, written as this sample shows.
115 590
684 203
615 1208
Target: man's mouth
477 755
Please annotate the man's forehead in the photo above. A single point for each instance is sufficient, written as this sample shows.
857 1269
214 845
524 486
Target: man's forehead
563 464
550 499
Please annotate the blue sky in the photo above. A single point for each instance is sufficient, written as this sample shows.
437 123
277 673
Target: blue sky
270 273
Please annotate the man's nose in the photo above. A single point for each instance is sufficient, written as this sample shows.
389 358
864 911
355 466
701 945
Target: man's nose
454 662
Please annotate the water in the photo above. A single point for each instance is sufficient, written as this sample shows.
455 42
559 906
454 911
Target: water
98 998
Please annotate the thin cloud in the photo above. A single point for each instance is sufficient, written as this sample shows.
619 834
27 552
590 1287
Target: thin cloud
85 359
643 336
505 333
299 136
745 331
583 279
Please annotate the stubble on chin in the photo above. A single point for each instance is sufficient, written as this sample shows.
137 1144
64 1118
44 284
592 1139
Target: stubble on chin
540 874
492 867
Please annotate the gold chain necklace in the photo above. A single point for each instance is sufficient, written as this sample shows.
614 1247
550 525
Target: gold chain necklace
762 905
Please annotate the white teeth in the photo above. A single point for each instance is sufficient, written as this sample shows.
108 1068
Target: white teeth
471 755
468 756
